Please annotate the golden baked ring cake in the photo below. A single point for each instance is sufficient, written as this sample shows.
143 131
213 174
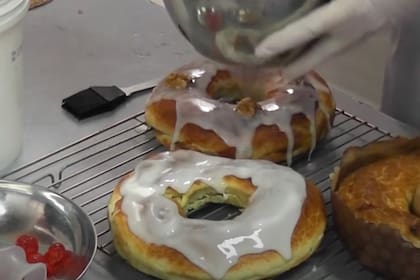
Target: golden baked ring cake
281 224
232 113
376 206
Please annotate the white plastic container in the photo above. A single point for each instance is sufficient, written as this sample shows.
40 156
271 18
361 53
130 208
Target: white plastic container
12 13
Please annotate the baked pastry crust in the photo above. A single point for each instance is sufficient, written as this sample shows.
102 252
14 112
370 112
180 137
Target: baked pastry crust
375 197
269 142
167 263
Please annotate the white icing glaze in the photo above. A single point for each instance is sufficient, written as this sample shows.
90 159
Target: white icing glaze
195 107
321 88
266 224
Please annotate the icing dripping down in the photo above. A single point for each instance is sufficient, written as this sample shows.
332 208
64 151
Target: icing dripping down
321 87
266 224
193 106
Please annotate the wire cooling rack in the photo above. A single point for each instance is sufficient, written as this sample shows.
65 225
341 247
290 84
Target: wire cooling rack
87 171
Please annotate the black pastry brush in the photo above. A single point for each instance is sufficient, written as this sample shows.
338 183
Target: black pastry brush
99 99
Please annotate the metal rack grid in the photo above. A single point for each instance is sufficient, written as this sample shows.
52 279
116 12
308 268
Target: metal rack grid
87 171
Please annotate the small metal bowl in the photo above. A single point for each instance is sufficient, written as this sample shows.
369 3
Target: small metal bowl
37 211
228 31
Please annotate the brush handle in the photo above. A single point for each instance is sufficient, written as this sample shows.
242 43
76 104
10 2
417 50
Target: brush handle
140 87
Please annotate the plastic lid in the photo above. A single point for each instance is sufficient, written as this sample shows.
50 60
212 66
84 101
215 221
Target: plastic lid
7 6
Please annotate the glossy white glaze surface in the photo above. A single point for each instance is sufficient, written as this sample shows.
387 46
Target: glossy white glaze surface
195 106
266 224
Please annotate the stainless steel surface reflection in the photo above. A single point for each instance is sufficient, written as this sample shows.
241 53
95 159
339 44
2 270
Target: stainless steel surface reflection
27 209
228 31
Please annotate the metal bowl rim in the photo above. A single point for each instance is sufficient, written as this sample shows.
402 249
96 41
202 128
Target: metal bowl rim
44 189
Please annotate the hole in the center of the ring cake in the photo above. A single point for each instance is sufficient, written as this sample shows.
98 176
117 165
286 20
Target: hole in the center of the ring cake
215 212
232 86
234 95
202 201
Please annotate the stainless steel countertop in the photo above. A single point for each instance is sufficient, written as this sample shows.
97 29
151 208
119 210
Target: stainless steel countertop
71 45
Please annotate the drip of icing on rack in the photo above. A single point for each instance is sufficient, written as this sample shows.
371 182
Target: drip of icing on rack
194 106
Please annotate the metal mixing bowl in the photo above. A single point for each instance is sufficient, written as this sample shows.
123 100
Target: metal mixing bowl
228 31
27 209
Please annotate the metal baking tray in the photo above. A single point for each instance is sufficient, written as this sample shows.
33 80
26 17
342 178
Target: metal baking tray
87 171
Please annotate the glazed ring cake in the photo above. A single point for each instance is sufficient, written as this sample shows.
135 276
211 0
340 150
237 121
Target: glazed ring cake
376 203
236 114
281 224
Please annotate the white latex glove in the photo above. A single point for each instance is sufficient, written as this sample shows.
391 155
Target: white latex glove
337 26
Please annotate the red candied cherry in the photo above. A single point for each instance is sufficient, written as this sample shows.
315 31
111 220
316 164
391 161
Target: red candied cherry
57 245
51 270
35 258
55 253
66 259
28 243
66 264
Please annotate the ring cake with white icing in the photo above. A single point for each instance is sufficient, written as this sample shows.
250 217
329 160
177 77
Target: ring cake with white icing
240 113
376 206
281 225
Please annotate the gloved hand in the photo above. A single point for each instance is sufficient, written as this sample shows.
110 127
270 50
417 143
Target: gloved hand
337 25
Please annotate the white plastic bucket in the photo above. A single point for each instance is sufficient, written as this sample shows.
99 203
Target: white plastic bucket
12 13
